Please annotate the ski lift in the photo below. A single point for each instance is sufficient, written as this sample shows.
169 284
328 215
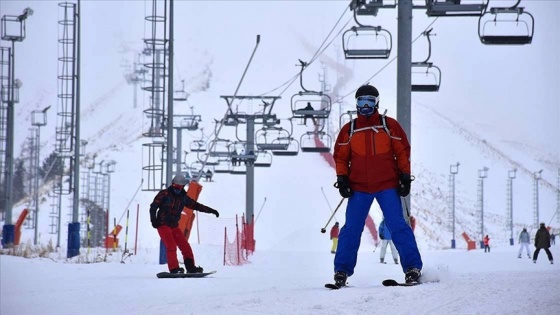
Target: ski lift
365 41
310 104
181 95
210 161
291 146
437 8
224 167
219 148
523 21
263 159
316 141
189 122
265 139
198 146
426 76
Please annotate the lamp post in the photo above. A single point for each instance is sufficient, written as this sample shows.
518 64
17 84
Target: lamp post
453 170
38 119
536 177
511 176
482 174
8 231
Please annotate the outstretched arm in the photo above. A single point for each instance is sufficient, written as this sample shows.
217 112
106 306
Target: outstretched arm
190 203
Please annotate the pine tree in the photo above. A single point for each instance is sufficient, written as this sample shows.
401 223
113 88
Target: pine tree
52 166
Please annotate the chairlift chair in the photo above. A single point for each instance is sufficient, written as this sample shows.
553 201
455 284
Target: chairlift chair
346 118
198 146
522 18
181 95
265 139
358 41
429 71
316 142
291 149
320 102
219 148
454 8
263 159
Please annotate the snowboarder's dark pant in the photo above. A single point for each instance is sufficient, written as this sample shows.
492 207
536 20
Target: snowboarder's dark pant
536 254
486 247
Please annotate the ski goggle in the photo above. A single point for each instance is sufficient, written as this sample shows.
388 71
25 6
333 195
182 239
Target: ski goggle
177 186
368 100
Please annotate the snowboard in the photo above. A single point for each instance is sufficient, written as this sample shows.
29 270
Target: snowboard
166 274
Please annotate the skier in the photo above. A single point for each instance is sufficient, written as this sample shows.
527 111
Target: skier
171 202
385 236
334 237
372 157
524 240
486 241
542 241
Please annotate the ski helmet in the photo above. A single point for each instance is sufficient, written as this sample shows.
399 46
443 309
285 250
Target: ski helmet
179 179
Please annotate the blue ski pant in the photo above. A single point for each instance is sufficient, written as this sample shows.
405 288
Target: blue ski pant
351 233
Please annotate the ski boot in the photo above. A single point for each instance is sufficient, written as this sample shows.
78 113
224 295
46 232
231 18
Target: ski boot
552 262
191 268
413 275
340 278
382 260
396 261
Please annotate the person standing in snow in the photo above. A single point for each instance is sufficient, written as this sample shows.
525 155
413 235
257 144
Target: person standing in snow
524 240
334 237
170 203
385 236
486 241
372 157
542 241
552 238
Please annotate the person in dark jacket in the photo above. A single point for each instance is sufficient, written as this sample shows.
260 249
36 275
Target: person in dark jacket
372 157
542 241
334 237
170 203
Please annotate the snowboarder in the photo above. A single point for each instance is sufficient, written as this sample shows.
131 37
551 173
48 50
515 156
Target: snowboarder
524 240
385 236
309 107
170 203
334 237
486 241
542 241
372 157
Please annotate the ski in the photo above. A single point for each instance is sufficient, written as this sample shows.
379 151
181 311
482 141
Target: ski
394 283
166 274
332 286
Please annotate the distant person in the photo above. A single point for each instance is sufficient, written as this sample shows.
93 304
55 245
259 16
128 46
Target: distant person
242 159
486 241
251 158
552 237
234 157
309 107
170 203
542 241
385 235
208 176
334 237
372 158
524 240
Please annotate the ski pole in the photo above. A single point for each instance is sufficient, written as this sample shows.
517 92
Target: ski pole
323 230
325 196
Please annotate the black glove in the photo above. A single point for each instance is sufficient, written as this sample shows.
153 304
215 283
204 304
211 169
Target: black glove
155 223
404 186
215 212
343 185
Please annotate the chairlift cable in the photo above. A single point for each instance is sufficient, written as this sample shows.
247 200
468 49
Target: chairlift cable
290 81
389 62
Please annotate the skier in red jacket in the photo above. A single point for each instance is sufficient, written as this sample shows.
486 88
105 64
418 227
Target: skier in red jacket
334 237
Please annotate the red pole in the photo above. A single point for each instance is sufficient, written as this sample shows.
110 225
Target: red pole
237 240
225 243
197 230
107 234
136 238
